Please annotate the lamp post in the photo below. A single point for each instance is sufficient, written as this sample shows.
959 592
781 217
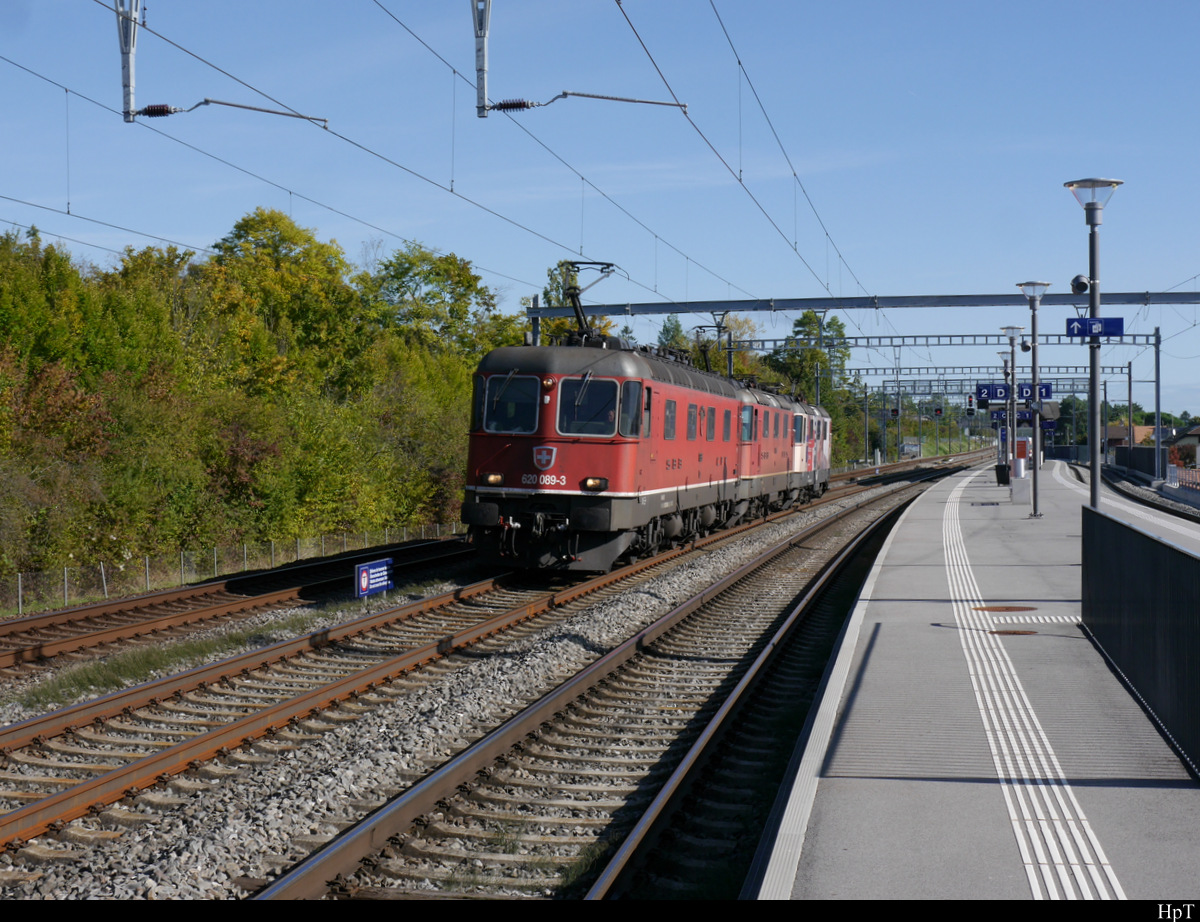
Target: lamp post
1013 334
1034 291
1002 443
1093 195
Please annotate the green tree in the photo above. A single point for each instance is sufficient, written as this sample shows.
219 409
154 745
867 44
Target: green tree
439 302
671 336
287 311
800 367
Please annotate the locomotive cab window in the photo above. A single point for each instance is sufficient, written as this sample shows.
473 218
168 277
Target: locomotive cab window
587 406
669 420
511 403
710 432
691 422
631 408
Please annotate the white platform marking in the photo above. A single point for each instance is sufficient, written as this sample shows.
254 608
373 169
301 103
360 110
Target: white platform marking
1062 856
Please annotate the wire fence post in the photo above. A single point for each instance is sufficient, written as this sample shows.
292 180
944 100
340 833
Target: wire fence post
147 572
20 599
65 602
103 579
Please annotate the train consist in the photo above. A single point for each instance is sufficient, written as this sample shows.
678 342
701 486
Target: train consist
584 454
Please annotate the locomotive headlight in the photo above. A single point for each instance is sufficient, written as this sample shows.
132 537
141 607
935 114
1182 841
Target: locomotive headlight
493 480
595 484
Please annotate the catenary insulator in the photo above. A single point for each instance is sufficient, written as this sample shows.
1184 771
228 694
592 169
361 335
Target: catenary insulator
157 111
507 105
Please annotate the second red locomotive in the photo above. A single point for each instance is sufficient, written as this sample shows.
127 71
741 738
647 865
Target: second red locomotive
581 455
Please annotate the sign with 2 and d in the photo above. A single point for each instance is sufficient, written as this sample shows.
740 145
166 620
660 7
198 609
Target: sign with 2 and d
373 577
991 391
1096 326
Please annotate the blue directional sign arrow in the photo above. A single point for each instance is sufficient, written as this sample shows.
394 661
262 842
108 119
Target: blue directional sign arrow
1096 326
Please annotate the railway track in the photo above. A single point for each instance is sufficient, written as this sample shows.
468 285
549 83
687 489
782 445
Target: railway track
76 761
105 627
533 807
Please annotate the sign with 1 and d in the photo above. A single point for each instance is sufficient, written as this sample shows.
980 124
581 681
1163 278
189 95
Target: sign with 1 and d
1025 391
373 577
1096 326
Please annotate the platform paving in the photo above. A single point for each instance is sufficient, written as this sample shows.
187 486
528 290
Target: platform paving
951 762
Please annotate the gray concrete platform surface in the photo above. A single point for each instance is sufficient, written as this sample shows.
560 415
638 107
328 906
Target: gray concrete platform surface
948 761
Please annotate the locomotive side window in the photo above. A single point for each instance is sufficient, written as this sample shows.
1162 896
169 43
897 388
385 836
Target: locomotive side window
511 404
631 408
691 422
669 420
646 413
725 427
776 435
711 432
747 424
587 406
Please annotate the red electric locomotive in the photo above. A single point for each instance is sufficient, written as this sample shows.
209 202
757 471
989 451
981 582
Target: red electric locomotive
584 454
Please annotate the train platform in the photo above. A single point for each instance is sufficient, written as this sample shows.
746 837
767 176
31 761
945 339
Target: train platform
972 742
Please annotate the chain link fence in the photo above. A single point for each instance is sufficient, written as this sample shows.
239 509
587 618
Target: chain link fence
77 585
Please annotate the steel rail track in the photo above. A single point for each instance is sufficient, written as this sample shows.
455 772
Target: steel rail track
108 786
36 638
341 858
113 783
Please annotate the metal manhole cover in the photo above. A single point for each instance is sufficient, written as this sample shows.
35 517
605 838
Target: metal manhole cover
1011 633
1004 608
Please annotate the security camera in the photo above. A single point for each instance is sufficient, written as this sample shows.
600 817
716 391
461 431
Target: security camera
1080 284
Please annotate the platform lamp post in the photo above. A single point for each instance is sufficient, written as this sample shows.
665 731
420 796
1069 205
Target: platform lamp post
1093 195
1014 334
1034 291
1002 444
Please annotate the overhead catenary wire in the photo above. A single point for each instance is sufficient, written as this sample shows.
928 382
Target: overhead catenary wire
374 153
544 146
734 173
234 166
128 230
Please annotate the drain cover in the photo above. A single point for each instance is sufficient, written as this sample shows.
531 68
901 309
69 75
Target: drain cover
1004 608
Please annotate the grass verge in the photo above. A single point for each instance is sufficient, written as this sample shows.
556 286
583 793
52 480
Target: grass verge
139 665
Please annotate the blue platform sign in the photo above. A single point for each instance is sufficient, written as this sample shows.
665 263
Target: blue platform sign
373 577
991 391
1096 326
1025 391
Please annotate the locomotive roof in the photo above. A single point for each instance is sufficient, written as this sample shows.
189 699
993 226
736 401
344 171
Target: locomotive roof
628 363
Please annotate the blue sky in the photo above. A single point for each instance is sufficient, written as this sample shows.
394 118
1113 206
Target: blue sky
933 138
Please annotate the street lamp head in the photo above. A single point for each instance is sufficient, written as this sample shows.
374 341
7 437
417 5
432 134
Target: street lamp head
1093 195
1033 289
1012 333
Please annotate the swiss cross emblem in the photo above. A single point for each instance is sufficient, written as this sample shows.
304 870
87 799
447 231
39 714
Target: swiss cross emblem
543 457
